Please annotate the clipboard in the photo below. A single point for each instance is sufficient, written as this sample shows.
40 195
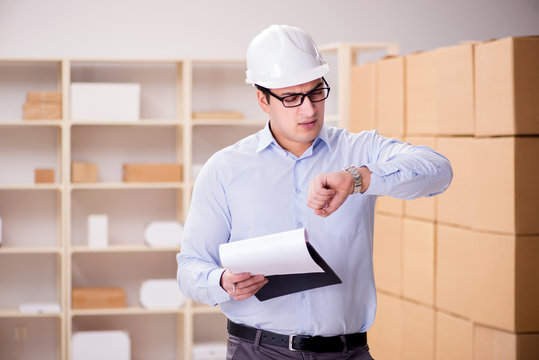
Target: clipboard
286 259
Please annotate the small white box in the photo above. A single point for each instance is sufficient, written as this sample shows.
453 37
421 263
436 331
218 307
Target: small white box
39 308
98 231
209 351
102 345
163 233
161 294
105 101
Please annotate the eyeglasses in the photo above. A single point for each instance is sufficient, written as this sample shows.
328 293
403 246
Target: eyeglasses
293 100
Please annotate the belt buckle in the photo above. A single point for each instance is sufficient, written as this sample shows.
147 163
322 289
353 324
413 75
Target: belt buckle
291 342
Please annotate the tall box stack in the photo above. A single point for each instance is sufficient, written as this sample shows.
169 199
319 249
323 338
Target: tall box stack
461 269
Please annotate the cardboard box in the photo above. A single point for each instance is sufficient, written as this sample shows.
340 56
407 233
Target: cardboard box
418 261
453 269
82 172
152 172
42 111
505 186
505 274
417 331
390 97
389 205
387 253
492 344
97 298
363 98
455 205
507 87
44 97
424 207
454 338
421 96
385 335
44 176
455 90
105 101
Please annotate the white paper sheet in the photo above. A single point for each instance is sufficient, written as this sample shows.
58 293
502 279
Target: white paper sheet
275 254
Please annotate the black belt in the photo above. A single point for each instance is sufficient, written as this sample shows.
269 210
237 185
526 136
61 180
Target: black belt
319 344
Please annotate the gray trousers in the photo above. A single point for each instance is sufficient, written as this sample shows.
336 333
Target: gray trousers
240 349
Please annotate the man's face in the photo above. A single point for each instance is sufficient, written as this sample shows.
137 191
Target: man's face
294 128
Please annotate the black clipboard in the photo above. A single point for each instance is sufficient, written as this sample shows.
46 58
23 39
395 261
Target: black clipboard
279 285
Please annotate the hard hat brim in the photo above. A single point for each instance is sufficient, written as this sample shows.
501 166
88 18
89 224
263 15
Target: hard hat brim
293 79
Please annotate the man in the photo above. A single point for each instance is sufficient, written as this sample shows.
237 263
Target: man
287 176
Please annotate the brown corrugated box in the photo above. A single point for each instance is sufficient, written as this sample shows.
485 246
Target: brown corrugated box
363 97
83 172
43 105
42 111
423 207
507 86
97 297
389 205
44 176
421 111
453 269
455 205
418 261
492 344
152 172
385 335
390 97
44 96
454 338
454 90
505 274
505 188
387 253
417 331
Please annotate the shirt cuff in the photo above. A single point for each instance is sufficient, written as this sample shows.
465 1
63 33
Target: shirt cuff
380 184
214 280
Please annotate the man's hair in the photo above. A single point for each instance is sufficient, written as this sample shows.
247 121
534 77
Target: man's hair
265 91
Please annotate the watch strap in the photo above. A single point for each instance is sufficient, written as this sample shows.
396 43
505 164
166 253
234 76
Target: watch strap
357 178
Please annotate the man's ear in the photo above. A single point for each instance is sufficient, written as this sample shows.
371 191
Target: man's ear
262 101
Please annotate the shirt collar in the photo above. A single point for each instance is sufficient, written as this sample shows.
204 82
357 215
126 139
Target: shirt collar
266 138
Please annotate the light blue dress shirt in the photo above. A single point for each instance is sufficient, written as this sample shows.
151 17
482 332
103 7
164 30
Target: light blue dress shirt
255 188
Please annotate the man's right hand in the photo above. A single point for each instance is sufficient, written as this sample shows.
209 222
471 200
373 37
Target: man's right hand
242 286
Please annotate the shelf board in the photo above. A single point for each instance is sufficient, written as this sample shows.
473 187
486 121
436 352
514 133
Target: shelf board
142 122
125 185
123 248
31 250
228 122
31 123
15 313
135 310
30 187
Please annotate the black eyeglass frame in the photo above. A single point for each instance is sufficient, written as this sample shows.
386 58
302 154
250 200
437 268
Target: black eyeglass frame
303 96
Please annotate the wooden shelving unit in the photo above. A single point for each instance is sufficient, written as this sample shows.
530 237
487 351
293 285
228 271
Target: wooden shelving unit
44 225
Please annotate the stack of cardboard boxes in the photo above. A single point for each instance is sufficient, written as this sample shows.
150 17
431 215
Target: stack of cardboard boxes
43 105
458 274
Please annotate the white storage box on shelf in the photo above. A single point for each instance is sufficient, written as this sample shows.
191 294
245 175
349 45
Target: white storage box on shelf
163 233
105 101
161 294
98 231
102 345
209 351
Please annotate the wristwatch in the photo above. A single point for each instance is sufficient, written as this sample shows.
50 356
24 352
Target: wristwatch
357 178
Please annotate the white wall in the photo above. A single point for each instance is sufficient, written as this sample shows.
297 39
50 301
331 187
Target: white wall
218 28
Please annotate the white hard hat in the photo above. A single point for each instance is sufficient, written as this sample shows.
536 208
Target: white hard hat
282 56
